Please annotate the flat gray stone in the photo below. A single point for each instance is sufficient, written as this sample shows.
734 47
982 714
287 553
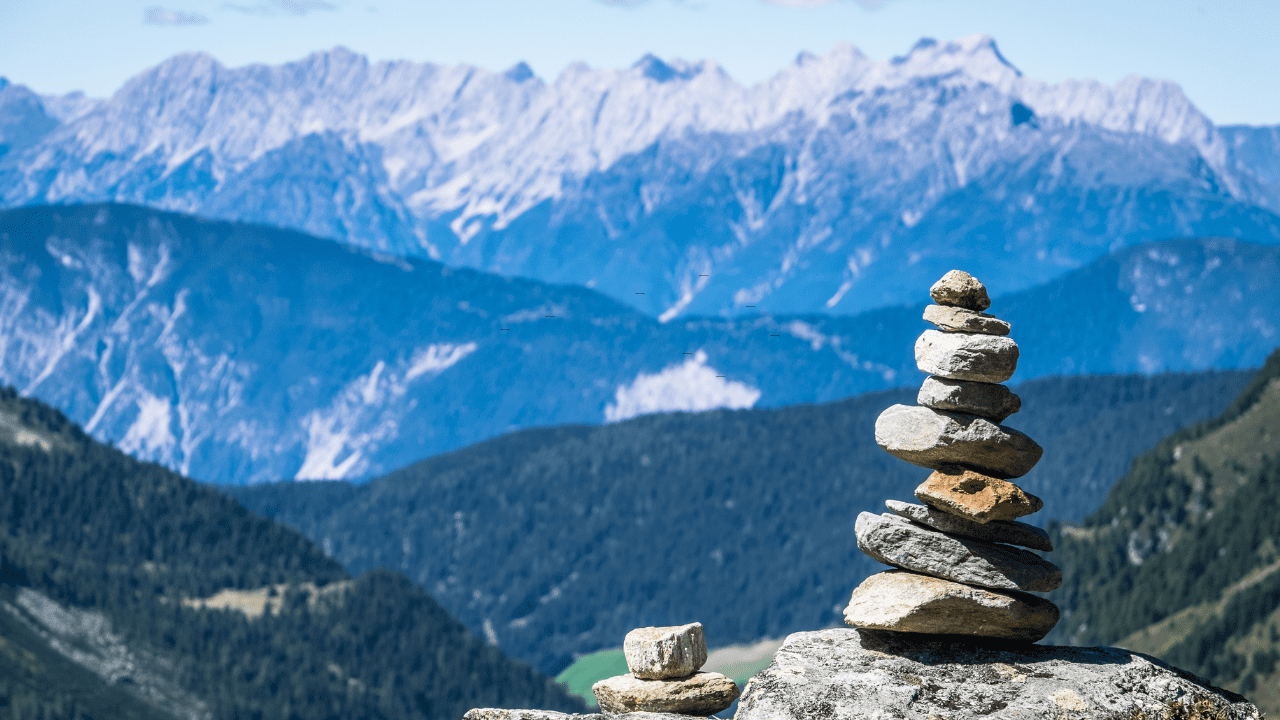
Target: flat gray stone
505 714
960 289
906 602
865 674
996 531
702 693
896 541
967 356
954 319
661 653
988 400
935 439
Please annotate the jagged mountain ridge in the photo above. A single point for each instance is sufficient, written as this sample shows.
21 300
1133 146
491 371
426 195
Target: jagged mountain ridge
838 185
240 353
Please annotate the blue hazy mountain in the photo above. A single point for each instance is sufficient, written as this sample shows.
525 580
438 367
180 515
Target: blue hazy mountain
840 185
240 353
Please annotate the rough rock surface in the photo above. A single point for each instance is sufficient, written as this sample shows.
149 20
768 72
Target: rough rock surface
659 653
859 675
960 289
967 356
999 531
975 496
503 714
954 319
989 400
899 542
906 602
702 693
933 439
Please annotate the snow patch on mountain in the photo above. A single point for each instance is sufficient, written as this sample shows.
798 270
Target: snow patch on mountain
692 386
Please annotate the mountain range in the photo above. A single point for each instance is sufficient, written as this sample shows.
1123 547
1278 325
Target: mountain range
840 185
555 542
238 353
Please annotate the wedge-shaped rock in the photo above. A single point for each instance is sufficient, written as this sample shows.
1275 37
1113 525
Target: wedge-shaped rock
988 400
906 602
702 693
960 289
997 531
934 439
659 653
977 497
967 356
954 319
899 542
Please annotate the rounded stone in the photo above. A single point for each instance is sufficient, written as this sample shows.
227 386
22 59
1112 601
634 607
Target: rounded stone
967 356
975 496
906 602
960 289
988 400
702 694
929 438
954 319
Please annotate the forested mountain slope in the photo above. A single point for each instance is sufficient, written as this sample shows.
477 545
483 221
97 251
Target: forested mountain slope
238 353
1183 558
557 541
129 591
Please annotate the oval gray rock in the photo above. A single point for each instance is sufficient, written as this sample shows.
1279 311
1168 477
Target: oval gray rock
988 400
954 319
702 693
906 602
933 439
967 356
899 542
864 674
997 531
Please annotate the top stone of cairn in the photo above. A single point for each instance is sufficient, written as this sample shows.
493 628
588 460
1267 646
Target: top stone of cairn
661 653
960 289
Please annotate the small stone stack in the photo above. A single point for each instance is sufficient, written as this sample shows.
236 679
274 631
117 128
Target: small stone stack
664 677
959 572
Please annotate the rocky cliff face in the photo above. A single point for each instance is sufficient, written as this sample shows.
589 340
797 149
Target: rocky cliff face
836 186
844 673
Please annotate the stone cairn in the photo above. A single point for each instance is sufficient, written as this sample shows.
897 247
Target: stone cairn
665 678
959 573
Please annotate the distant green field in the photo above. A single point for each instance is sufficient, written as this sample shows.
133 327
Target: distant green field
589 669
739 662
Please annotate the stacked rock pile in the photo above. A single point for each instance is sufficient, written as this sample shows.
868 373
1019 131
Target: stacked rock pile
665 678
959 572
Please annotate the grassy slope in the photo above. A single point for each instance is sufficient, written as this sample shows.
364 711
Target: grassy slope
1183 560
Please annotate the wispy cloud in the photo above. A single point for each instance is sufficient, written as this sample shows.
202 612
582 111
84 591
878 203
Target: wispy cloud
156 15
272 7
868 4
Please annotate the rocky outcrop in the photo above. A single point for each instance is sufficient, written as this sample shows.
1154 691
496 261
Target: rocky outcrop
855 674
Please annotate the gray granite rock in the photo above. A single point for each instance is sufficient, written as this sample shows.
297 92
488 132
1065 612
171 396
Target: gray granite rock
954 319
934 439
504 714
967 356
989 400
661 653
906 602
997 531
702 693
960 289
896 541
862 674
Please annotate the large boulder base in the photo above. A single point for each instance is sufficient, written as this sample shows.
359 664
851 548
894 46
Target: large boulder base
996 531
934 439
906 602
860 675
988 400
899 542
702 694
661 653
966 356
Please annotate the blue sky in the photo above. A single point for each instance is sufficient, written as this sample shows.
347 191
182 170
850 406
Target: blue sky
1223 53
